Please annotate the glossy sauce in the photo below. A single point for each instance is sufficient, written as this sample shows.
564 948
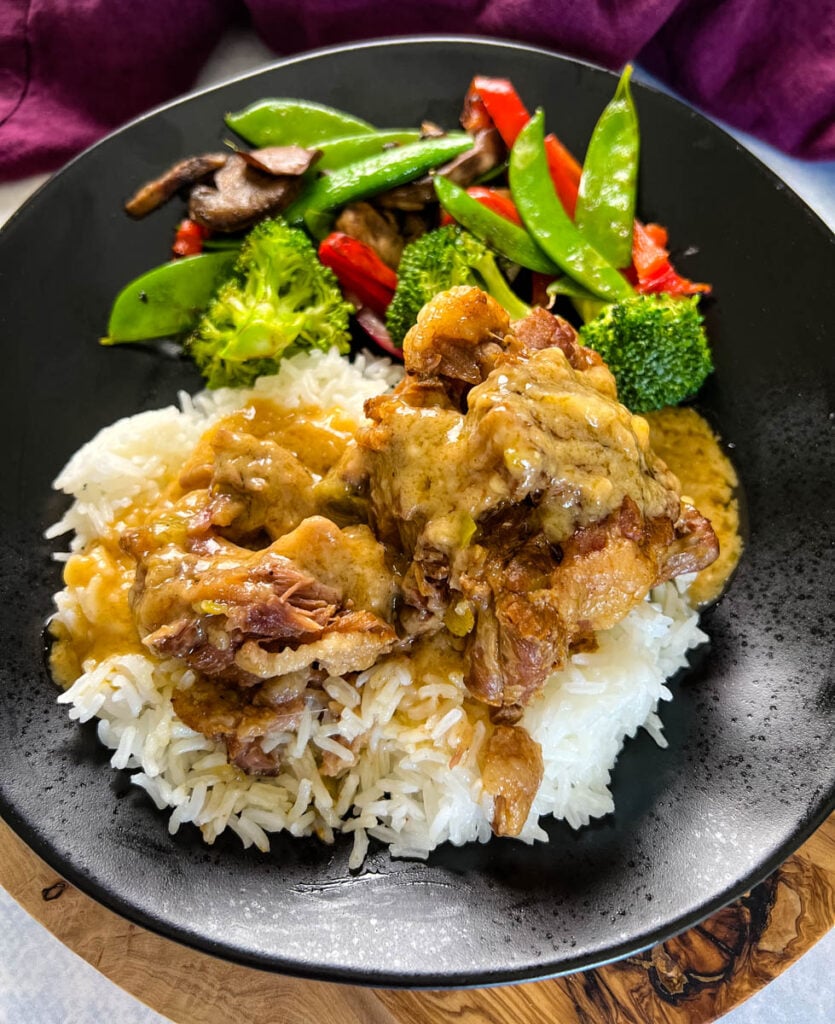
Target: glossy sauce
100 577
685 441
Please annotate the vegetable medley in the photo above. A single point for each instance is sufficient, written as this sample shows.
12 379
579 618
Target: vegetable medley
327 217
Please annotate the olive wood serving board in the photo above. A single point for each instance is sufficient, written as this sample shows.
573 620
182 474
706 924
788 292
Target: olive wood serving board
694 978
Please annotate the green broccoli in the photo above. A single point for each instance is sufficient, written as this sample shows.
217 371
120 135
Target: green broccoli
439 260
655 346
278 300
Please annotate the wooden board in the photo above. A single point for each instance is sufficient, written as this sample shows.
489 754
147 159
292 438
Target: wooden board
692 979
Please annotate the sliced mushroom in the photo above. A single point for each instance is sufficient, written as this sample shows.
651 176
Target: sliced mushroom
487 153
377 228
187 172
281 160
430 130
241 196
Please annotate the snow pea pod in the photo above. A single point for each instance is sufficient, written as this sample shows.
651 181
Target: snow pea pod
546 219
605 209
167 300
586 304
283 122
339 152
374 174
498 232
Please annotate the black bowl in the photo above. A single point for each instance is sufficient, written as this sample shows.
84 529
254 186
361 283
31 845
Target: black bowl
749 771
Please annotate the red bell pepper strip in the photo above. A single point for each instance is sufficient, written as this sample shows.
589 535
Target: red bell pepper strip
189 238
502 102
652 270
657 233
494 200
565 173
499 99
359 270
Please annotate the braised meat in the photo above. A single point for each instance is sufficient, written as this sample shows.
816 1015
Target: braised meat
527 499
512 773
239 577
501 505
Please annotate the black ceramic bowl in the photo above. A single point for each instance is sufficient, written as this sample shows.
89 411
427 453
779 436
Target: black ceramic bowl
749 770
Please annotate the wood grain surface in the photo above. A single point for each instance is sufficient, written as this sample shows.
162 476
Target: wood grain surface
694 978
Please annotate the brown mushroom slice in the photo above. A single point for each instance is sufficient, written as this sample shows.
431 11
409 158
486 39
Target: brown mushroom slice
487 153
280 160
430 130
376 228
241 196
186 172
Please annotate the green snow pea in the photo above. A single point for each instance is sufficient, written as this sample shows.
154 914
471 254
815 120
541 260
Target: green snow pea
606 200
374 174
282 122
496 231
167 300
347 150
546 219
586 304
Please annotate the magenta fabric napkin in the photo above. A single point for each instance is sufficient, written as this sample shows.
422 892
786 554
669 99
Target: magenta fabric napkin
72 70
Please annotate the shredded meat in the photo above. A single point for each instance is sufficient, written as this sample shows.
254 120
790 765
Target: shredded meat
225 712
239 578
549 515
500 503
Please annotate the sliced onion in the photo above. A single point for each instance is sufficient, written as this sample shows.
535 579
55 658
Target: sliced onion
374 327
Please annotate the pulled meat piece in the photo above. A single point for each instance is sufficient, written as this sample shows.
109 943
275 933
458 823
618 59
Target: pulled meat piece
255 485
213 604
241 560
241 720
512 773
546 518
458 340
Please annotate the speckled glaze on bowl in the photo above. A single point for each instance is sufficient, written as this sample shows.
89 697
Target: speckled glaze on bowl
749 770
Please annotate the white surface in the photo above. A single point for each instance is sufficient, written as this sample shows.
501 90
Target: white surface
42 982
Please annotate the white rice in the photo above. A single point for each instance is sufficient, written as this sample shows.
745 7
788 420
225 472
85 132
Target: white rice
411 787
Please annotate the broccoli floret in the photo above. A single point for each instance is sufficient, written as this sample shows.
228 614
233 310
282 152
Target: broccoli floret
655 346
279 299
439 260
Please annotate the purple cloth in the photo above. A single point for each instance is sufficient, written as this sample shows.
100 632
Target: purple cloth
72 70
